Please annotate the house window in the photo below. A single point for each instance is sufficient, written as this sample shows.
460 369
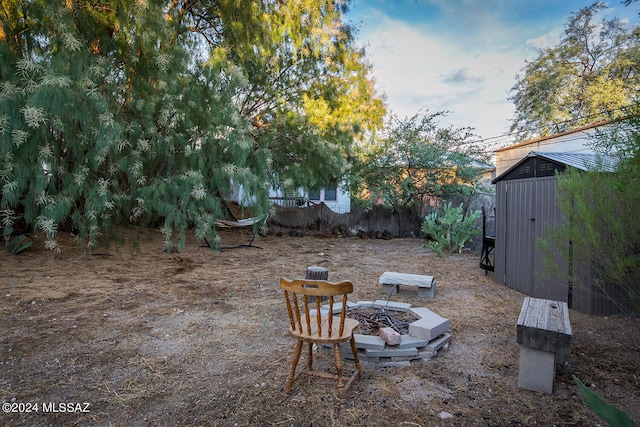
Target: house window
314 194
323 194
331 194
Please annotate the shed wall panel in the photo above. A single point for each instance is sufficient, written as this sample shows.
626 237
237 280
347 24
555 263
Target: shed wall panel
582 296
590 296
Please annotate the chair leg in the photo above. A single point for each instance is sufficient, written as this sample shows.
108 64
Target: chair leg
310 357
354 350
296 357
338 357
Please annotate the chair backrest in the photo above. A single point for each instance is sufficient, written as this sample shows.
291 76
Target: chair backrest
297 293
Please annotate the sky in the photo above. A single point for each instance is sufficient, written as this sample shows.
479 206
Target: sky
460 56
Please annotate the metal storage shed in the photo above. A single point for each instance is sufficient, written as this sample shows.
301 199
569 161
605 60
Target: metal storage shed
525 209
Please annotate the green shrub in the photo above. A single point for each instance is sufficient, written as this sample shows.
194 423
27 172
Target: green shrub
449 228
16 245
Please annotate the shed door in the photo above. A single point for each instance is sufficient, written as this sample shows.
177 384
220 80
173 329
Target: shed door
546 282
529 211
520 235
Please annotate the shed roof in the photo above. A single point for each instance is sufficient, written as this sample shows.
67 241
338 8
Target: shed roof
582 161
538 163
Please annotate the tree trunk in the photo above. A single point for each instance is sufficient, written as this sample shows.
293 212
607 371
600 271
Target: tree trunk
399 213
317 273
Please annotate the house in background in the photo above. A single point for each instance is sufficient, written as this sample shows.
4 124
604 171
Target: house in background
573 141
335 198
526 209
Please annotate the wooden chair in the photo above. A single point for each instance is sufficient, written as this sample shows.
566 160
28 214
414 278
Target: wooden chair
317 328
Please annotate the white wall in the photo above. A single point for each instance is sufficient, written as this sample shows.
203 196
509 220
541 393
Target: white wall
568 142
342 204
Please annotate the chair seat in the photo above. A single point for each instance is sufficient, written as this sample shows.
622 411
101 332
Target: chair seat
350 325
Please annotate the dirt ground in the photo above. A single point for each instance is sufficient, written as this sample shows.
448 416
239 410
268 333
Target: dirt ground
140 337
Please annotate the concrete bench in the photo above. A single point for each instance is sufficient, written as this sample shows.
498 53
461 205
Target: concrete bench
544 336
390 281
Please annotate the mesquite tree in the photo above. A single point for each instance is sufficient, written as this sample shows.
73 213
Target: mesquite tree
135 112
591 75
413 158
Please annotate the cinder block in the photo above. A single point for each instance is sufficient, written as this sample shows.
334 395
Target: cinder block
389 289
392 305
392 352
426 354
337 307
364 304
403 358
369 341
345 350
429 327
427 293
323 311
407 341
388 364
439 342
421 312
364 360
537 369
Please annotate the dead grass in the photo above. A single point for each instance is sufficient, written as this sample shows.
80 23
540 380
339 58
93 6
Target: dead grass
199 338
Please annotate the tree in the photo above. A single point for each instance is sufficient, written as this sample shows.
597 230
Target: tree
308 93
413 158
591 75
127 112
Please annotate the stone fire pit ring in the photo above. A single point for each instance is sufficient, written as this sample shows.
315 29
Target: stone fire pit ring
427 336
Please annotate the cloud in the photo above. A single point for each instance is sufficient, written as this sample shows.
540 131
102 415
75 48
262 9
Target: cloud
421 70
460 56
546 40
461 76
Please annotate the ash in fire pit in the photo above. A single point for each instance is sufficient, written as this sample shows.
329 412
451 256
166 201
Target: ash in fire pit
372 319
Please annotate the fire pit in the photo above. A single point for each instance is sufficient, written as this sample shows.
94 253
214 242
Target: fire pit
423 333
372 319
